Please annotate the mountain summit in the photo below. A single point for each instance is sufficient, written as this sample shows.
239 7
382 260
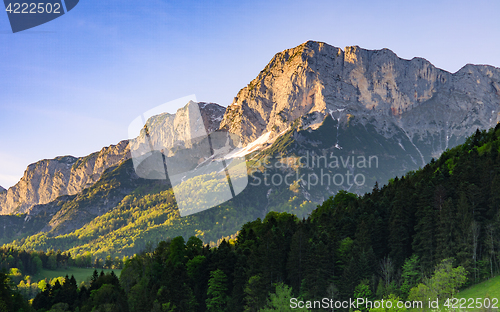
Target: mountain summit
429 108
48 179
410 107
316 120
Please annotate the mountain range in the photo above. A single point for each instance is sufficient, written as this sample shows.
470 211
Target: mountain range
309 102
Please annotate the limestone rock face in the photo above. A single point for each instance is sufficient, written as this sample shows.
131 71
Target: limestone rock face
212 115
435 109
48 179
168 132
411 103
311 102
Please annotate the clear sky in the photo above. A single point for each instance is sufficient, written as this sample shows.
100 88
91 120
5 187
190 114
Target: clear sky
73 85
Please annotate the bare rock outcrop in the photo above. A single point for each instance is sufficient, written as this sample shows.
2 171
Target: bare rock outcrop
48 179
435 109
410 102
170 131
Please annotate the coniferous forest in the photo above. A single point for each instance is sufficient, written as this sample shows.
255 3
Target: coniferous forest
435 226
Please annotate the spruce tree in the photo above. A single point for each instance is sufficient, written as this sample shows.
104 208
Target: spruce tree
217 292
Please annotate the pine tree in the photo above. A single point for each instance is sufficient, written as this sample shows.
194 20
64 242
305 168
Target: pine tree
464 221
446 237
318 271
410 276
217 291
280 300
297 258
255 294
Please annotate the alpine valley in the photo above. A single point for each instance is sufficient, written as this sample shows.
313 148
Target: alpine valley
329 118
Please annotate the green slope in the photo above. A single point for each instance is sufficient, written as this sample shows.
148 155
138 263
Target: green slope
80 274
422 230
489 288
122 213
150 214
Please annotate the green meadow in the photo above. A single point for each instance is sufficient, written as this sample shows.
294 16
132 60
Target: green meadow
80 274
489 288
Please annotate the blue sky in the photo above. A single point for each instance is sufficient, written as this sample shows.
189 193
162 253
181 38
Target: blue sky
73 85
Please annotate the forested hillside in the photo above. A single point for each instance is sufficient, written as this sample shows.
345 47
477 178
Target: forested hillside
149 214
399 241
371 116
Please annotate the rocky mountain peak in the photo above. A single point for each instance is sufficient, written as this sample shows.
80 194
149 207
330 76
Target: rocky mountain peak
362 86
167 132
48 179
411 102
212 114
2 189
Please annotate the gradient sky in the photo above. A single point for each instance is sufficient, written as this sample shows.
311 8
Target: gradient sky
73 85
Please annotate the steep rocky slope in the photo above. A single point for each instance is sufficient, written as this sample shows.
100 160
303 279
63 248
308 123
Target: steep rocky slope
410 103
46 180
432 109
166 131
313 114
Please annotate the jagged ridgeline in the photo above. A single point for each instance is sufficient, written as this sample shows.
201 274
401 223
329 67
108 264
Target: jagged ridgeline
316 120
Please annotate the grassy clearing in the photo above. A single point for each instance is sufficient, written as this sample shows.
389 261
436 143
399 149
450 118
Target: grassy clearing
80 274
490 287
